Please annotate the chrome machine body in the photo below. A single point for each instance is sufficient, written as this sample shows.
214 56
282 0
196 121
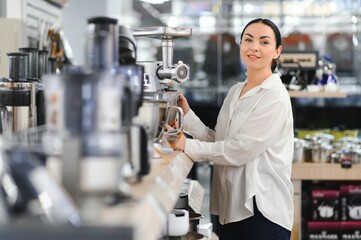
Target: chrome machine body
164 71
158 76
17 96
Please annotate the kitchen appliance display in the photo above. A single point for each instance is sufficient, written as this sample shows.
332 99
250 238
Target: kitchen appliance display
17 96
89 137
159 76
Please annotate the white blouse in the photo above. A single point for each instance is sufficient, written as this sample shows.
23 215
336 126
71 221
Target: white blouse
252 148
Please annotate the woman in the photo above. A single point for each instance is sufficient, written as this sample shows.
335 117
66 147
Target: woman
251 146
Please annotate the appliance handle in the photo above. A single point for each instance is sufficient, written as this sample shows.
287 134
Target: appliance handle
179 117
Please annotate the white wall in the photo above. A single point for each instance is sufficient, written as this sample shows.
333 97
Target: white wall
76 13
14 9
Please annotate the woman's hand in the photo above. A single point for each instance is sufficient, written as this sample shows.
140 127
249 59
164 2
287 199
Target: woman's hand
178 141
183 103
181 143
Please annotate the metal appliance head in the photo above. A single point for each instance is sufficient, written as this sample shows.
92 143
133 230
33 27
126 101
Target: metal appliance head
178 72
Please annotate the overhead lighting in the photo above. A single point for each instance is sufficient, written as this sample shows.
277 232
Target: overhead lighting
155 1
354 40
207 23
332 6
173 21
248 7
354 19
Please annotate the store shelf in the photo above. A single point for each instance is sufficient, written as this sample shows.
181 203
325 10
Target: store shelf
305 94
140 218
318 172
325 171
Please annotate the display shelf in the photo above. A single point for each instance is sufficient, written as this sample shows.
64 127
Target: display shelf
325 171
141 217
318 172
306 94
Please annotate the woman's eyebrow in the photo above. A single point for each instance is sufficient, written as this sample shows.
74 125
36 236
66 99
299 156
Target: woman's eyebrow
248 34
262 37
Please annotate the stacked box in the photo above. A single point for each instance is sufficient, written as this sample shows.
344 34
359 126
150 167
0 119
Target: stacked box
323 230
350 230
325 205
350 203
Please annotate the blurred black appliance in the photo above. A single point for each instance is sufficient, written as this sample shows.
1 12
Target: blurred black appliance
298 68
33 76
127 46
17 96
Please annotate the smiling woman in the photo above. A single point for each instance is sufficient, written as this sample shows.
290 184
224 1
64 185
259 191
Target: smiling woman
260 47
251 146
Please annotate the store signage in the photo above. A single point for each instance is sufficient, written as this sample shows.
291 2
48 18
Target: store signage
299 60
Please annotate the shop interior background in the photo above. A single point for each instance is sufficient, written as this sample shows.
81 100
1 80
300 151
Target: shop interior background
330 27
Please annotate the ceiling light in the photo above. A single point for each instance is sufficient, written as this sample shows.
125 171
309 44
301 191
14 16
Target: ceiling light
155 1
248 8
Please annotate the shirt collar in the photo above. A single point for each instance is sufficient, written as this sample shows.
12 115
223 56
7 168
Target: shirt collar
266 84
270 81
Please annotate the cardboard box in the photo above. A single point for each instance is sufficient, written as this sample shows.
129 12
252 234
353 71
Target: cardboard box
350 230
325 205
350 203
323 230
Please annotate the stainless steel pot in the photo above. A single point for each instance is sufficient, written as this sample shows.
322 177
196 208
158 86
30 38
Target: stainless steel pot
321 152
318 148
299 149
325 152
353 154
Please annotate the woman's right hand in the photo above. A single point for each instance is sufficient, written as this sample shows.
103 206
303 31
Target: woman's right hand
183 103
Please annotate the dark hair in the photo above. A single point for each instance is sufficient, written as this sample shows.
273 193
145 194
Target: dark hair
275 30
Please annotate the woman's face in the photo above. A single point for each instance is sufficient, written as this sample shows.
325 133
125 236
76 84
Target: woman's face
258 46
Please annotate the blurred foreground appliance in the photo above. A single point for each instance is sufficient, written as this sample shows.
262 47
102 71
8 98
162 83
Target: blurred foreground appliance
17 96
33 76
